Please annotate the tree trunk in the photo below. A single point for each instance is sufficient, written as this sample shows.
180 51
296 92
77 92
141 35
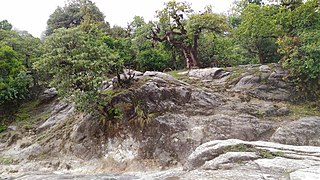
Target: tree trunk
186 56
174 59
189 55
195 45
260 54
193 57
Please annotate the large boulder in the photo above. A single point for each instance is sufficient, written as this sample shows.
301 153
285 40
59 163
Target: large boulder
264 158
247 82
305 131
208 73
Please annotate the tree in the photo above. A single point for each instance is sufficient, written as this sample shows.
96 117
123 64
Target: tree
172 28
300 48
118 32
206 22
259 29
73 13
78 62
5 25
14 82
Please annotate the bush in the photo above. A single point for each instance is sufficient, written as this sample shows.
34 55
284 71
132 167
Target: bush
302 60
153 59
14 82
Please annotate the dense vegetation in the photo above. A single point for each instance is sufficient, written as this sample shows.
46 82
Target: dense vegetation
80 51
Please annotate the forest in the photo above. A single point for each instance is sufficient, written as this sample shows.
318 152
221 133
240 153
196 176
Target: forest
80 51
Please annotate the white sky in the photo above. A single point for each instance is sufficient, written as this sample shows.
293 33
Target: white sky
32 15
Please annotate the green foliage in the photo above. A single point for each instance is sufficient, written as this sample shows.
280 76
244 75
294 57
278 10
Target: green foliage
78 62
142 118
74 13
300 49
258 30
5 25
14 81
263 153
220 51
3 127
121 47
153 59
5 160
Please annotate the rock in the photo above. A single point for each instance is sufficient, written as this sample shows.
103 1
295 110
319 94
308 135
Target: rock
31 152
305 131
282 165
132 72
247 82
183 73
122 151
283 111
311 173
280 158
159 75
61 112
48 95
266 92
250 66
13 139
208 73
264 68
127 74
12 128
228 160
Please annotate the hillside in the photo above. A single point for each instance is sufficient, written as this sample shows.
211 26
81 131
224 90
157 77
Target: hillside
214 123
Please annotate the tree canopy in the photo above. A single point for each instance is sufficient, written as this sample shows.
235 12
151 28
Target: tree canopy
73 13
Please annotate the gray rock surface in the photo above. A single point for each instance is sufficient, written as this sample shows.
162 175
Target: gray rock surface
264 68
48 95
229 160
208 73
311 173
219 159
206 129
247 82
159 75
305 131
61 112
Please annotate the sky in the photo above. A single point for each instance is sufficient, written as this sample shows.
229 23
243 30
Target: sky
32 15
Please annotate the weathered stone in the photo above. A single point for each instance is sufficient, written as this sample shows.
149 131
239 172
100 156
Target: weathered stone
181 124
48 95
305 131
60 113
228 160
266 92
211 153
159 75
208 73
264 68
130 72
12 128
283 111
311 173
247 82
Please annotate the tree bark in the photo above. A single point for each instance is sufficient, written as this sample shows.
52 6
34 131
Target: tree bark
189 55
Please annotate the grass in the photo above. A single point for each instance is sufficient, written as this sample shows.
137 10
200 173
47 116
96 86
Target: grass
263 153
3 127
300 110
303 109
24 111
5 161
178 76
30 113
